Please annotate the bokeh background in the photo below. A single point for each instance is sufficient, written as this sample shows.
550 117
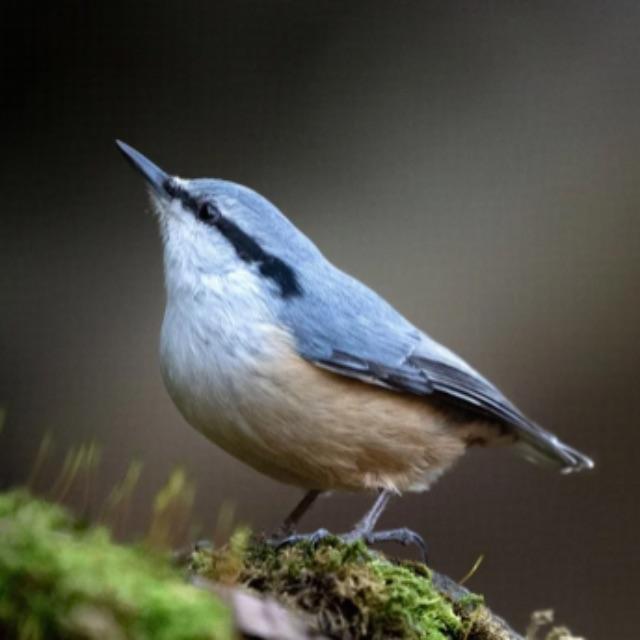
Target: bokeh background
476 163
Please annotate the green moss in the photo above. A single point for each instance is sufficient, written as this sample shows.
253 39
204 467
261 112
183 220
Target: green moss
61 579
348 590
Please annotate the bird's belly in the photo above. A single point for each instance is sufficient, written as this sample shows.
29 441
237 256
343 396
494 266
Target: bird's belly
306 426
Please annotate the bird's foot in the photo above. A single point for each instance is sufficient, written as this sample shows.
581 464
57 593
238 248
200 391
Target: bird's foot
402 536
313 537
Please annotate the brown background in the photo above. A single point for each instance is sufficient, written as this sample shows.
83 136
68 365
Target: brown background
476 163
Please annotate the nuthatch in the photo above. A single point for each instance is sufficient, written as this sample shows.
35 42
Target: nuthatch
303 372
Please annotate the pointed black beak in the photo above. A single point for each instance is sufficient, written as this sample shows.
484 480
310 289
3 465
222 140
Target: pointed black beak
156 177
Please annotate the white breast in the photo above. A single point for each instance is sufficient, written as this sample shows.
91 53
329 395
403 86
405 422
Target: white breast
215 336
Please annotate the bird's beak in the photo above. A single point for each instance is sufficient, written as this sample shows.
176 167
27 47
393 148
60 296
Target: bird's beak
156 177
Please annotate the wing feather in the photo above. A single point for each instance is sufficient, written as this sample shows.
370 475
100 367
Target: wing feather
342 325
419 375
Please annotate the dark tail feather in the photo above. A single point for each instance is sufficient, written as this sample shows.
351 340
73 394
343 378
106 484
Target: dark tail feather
541 447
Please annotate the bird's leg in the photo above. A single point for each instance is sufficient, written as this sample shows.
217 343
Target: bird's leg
364 529
289 525
367 523
286 533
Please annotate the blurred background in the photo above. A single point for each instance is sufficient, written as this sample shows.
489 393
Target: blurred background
476 163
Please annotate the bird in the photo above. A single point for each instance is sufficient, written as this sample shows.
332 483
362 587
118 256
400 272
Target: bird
303 372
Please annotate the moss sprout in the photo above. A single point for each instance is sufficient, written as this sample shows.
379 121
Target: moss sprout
60 579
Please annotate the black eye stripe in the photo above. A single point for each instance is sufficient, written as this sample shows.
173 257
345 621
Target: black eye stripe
171 188
208 213
205 210
175 190
247 249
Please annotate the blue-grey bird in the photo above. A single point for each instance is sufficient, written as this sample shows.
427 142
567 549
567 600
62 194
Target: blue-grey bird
303 372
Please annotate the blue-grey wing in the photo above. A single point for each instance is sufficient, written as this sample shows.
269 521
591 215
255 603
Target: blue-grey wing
343 326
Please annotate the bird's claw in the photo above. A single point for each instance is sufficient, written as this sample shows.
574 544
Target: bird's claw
313 538
402 536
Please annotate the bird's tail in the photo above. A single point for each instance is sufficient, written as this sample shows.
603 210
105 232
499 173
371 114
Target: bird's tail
541 447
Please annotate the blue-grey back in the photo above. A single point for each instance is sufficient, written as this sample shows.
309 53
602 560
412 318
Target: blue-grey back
339 323
337 312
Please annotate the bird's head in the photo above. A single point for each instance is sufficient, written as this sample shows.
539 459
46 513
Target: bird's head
215 227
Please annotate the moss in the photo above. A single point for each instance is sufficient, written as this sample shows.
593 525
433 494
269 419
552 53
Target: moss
62 579
348 590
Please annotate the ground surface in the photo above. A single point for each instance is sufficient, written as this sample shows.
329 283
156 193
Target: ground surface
63 579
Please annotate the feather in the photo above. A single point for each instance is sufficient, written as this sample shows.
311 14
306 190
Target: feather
344 326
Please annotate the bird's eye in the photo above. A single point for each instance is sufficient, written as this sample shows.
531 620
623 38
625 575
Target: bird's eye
208 212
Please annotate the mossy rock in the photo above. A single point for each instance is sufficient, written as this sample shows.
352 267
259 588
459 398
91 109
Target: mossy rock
63 579
349 591
59 579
